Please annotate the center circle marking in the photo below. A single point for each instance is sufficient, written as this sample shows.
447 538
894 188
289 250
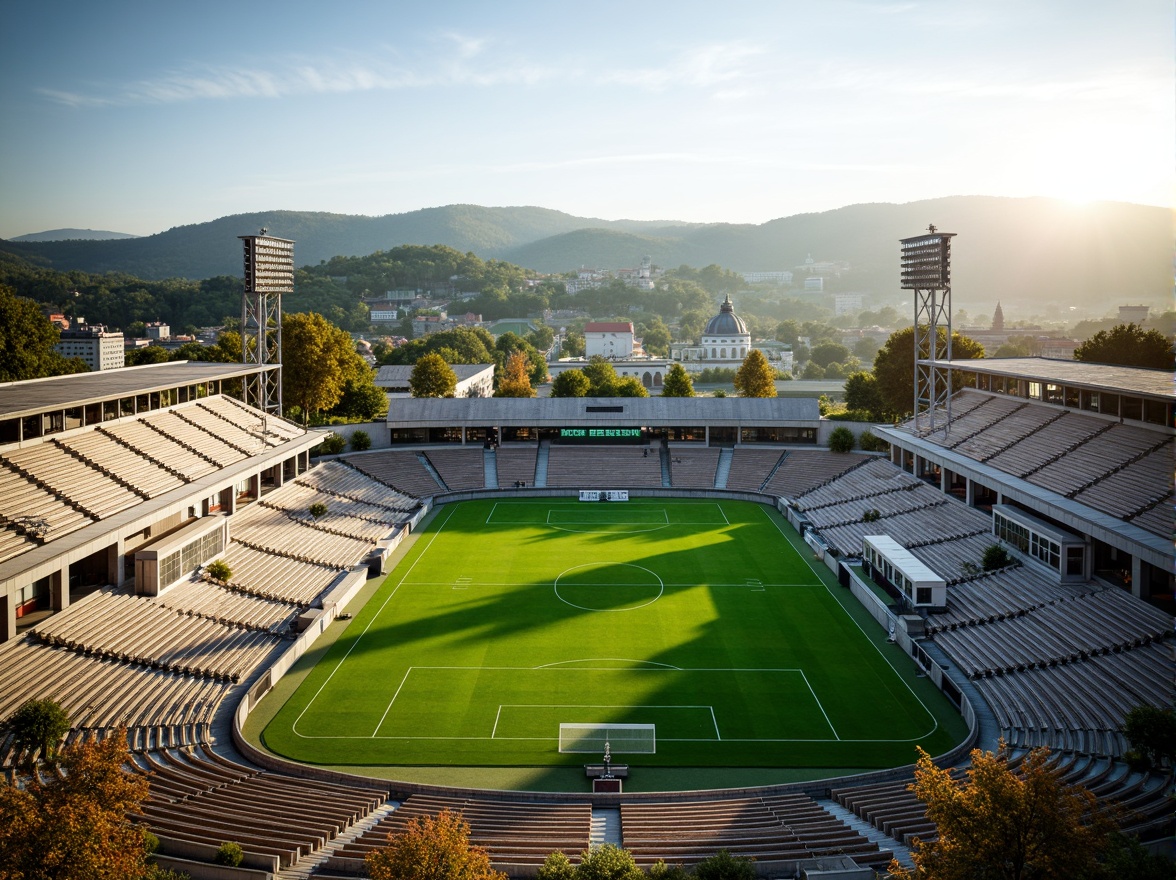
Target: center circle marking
661 587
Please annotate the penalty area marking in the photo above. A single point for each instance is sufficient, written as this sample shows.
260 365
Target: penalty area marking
501 706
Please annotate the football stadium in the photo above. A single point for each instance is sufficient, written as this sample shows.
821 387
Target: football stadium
675 625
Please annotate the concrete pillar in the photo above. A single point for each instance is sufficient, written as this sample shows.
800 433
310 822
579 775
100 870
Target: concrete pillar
279 475
1137 578
7 617
707 430
115 564
895 455
944 480
463 436
970 492
59 590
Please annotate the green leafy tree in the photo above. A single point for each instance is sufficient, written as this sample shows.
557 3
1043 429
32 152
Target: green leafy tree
557 866
332 444
655 337
432 849
516 379
607 862
432 377
39 725
361 399
830 352
317 360
1127 345
541 337
26 341
813 370
755 378
1151 730
841 440
509 343
865 348
724 866
628 386
677 383
360 441
862 395
1006 823
74 823
602 377
894 367
570 383
462 345
573 344
148 354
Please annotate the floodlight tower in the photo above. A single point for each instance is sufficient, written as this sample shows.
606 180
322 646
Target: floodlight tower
926 270
269 272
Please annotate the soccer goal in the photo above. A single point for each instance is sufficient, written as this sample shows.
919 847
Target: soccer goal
628 739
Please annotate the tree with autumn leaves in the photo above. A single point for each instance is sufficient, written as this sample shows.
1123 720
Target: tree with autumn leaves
515 380
432 849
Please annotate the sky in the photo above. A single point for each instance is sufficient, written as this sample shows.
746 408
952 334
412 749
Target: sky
139 116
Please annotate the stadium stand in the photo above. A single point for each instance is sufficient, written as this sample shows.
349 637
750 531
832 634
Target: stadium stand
693 468
603 467
516 464
802 470
750 467
403 471
459 468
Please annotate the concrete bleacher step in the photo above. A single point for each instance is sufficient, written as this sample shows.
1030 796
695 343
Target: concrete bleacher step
605 827
305 867
723 471
884 841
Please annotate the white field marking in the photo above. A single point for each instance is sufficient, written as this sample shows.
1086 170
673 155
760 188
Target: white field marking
607 660
502 706
629 530
407 672
755 585
881 653
616 522
661 586
462 583
490 515
375 617
497 715
669 584
724 513
819 705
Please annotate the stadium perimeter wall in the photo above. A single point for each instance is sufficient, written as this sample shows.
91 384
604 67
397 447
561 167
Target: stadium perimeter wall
346 591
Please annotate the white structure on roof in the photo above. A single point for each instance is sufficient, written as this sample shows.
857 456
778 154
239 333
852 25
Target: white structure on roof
473 380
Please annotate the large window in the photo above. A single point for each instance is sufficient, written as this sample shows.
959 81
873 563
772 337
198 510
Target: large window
1040 540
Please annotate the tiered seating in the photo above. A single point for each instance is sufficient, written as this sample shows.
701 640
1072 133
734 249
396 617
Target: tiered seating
111 457
1133 488
1158 518
750 467
34 511
872 479
1007 432
512 832
803 470
85 487
198 797
400 470
100 693
277 577
1047 444
955 559
963 402
14 543
777 828
228 606
1095 458
459 468
274 430
973 421
515 463
138 630
273 531
172 424
999 594
223 429
163 450
356 519
694 468
604 467
919 497
336 478
914 528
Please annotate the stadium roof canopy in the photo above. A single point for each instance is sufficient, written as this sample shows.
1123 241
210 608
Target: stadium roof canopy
604 411
1098 377
39 395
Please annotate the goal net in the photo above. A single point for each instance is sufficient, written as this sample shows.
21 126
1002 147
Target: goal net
629 739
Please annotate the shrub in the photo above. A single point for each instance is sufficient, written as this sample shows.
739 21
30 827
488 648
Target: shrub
230 854
724 866
871 442
556 866
218 570
720 393
995 556
332 444
150 842
318 509
360 440
872 515
841 440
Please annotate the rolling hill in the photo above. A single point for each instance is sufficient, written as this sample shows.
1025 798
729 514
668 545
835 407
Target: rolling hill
1008 248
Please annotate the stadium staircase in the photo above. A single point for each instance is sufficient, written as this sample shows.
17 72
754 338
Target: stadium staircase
667 474
541 464
308 866
433 472
490 465
772 473
606 827
723 471
868 831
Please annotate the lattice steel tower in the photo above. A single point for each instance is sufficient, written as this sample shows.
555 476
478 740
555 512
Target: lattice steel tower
926 270
269 272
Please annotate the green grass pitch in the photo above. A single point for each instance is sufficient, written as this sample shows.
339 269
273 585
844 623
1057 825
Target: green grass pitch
508 618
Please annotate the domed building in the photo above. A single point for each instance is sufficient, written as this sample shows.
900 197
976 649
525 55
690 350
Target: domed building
725 337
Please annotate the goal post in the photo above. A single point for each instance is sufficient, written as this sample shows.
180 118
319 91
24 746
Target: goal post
629 739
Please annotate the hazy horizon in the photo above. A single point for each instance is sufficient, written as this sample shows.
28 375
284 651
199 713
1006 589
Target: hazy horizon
134 117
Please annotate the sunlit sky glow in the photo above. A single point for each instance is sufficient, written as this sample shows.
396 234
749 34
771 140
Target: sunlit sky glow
136 117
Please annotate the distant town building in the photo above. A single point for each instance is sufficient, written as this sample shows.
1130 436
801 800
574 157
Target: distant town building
847 303
783 277
1133 314
473 380
814 283
613 340
158 330
101 349
725 342
998 318
384 316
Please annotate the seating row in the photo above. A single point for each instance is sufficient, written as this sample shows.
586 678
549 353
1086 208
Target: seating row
403 471
604 467
803 470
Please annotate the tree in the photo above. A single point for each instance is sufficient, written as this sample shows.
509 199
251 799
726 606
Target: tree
573 344
724 866
606 862
557 866
360 441
541 337
894 367
994 558
26 341
677 383
862 395
317 360
628 386
813 370
830 352
148 354
432 377
361 400
74 823
841 439
432 849
1151 730
508 344
1127 345
602 377
39 725
515 380
570 383
755 378
1005 823
655 337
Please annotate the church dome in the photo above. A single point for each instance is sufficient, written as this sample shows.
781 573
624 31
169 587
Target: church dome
726 322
